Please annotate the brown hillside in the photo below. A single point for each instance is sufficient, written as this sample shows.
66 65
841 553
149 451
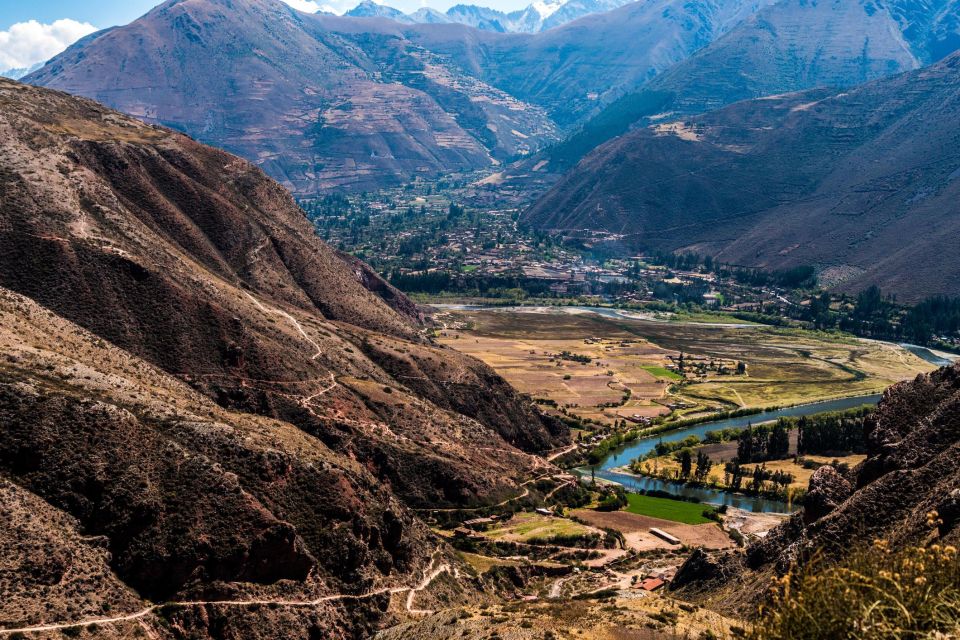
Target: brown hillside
861 184
195 261
244 413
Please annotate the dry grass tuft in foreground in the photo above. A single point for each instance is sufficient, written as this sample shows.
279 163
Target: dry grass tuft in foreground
875 594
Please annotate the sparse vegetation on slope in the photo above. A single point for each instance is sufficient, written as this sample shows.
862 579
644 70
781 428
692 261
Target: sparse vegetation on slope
875 594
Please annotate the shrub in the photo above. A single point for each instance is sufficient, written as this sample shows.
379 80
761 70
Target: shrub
603 594
711 513
875 593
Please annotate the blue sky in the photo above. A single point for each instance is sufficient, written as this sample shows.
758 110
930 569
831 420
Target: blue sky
101 13
33 31
105 13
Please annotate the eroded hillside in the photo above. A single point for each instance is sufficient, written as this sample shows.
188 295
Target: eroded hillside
227 404
860 184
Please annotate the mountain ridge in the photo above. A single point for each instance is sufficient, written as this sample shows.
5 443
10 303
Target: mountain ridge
790 45
840 181
322 101
534 18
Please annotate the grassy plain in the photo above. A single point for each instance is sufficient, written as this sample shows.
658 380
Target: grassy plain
784 366
666 509
523 527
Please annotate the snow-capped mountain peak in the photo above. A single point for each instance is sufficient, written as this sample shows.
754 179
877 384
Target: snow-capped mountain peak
537 16
546 9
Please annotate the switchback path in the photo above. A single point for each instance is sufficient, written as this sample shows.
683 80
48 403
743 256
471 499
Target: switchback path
432 573
553 456
293 321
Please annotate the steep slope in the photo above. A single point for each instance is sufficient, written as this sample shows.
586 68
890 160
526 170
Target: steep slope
861 184
573 70
210 272
128 487
914 454
314 110
789 46
245 414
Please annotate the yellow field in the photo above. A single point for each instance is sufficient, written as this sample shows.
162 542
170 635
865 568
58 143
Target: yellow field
529 526
800 474
784 366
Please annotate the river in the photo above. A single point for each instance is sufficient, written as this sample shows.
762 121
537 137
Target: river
621 457
939 358
626 454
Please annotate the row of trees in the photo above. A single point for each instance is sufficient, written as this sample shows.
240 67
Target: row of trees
826 433
872 313
802 277
764 442
832 433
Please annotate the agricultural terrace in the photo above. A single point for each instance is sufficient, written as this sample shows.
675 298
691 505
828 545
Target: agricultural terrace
607 369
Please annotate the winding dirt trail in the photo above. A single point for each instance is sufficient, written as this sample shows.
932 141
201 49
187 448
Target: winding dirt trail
431 573
562 452
296 323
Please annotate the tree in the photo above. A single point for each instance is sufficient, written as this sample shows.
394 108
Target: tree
779 446
758 475
745 445
704 464
736 474
686 462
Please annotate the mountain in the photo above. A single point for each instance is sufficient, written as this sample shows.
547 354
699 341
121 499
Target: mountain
370 9
478 17
426 15
576 9
283 89
572 71
532 18
202 401
16 74
536 17
861 184
322 102
788 46
913 453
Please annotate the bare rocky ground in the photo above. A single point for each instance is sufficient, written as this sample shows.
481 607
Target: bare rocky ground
224 423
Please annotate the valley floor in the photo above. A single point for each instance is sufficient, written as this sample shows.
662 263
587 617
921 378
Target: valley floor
608 369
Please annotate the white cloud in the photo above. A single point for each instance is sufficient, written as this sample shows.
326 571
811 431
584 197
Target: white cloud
26 43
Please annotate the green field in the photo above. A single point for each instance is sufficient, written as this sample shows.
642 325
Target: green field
666 509
662 372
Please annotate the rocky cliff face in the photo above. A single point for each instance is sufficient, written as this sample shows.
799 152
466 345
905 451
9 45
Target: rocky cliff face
232 409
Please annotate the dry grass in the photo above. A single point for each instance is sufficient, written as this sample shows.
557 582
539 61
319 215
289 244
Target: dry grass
523 527
875 594
783 366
